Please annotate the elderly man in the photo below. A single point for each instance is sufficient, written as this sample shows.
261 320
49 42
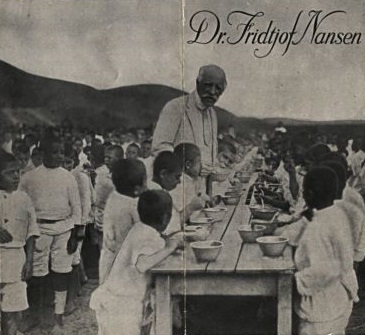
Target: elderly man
192 118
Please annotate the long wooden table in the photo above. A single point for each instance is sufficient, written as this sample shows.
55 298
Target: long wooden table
240 270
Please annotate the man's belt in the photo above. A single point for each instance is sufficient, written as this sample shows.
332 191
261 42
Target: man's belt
48 221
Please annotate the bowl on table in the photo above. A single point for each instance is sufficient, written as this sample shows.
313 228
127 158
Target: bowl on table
206 251
269 226
220 175
243 177
231 200
201 221
272 246
215 213
195 233
233 193
262 212
249 233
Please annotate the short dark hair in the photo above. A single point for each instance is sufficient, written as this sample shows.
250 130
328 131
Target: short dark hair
153 205
127 174
117 148
336 157
341 174
226 146
323 181
316 152
5 159
47 142
187 151
98 153
166 160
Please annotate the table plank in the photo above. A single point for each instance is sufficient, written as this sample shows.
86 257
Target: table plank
224 284
186 261
228 257
252 260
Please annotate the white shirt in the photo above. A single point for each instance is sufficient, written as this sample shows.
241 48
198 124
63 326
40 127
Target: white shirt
17 216
324 259
55 196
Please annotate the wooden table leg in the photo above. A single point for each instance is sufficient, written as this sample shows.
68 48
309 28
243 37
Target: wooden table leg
284 326
163 306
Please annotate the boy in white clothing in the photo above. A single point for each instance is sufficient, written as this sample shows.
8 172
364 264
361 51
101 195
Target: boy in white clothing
55 196
187 197
18 229
119 302
325 278
129 179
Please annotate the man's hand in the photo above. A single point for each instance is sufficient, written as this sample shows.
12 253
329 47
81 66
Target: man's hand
5 236
72 243
27 271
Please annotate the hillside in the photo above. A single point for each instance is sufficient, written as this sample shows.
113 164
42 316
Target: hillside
30 98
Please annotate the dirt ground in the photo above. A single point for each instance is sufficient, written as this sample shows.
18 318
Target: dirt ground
213 321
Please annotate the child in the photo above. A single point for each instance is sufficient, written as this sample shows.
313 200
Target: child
113 153
119 301
56 200
350 202
71 163
325 278
226 158
132 151
18 229
129 179
186 197
36 157
103 188
22 154
146 149
166 172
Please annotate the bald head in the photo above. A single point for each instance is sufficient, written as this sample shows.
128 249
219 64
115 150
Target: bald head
210 84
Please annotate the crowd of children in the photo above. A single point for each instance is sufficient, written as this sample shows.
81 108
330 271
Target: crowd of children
54 184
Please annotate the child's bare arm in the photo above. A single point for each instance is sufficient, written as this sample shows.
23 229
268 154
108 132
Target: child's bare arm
27 271
146 262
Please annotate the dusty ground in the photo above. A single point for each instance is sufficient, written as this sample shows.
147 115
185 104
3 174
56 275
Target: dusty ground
83 322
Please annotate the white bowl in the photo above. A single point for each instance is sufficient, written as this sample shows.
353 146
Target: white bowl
216 213
206 251
272 246
262 213
231 200
249 233
195 233
201 221
220 175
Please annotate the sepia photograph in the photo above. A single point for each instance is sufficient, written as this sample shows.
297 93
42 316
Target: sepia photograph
182 167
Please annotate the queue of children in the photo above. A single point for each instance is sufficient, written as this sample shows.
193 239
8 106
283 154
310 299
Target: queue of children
49 195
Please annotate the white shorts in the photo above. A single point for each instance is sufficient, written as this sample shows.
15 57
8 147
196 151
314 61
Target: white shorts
336 326
13 297
52 248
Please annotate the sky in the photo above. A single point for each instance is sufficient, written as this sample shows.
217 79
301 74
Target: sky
107 44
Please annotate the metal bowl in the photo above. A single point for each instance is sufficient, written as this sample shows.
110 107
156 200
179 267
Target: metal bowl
195 233
249 233
262 213
201 221
231 200
272 246
269 226
215 213
206 251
